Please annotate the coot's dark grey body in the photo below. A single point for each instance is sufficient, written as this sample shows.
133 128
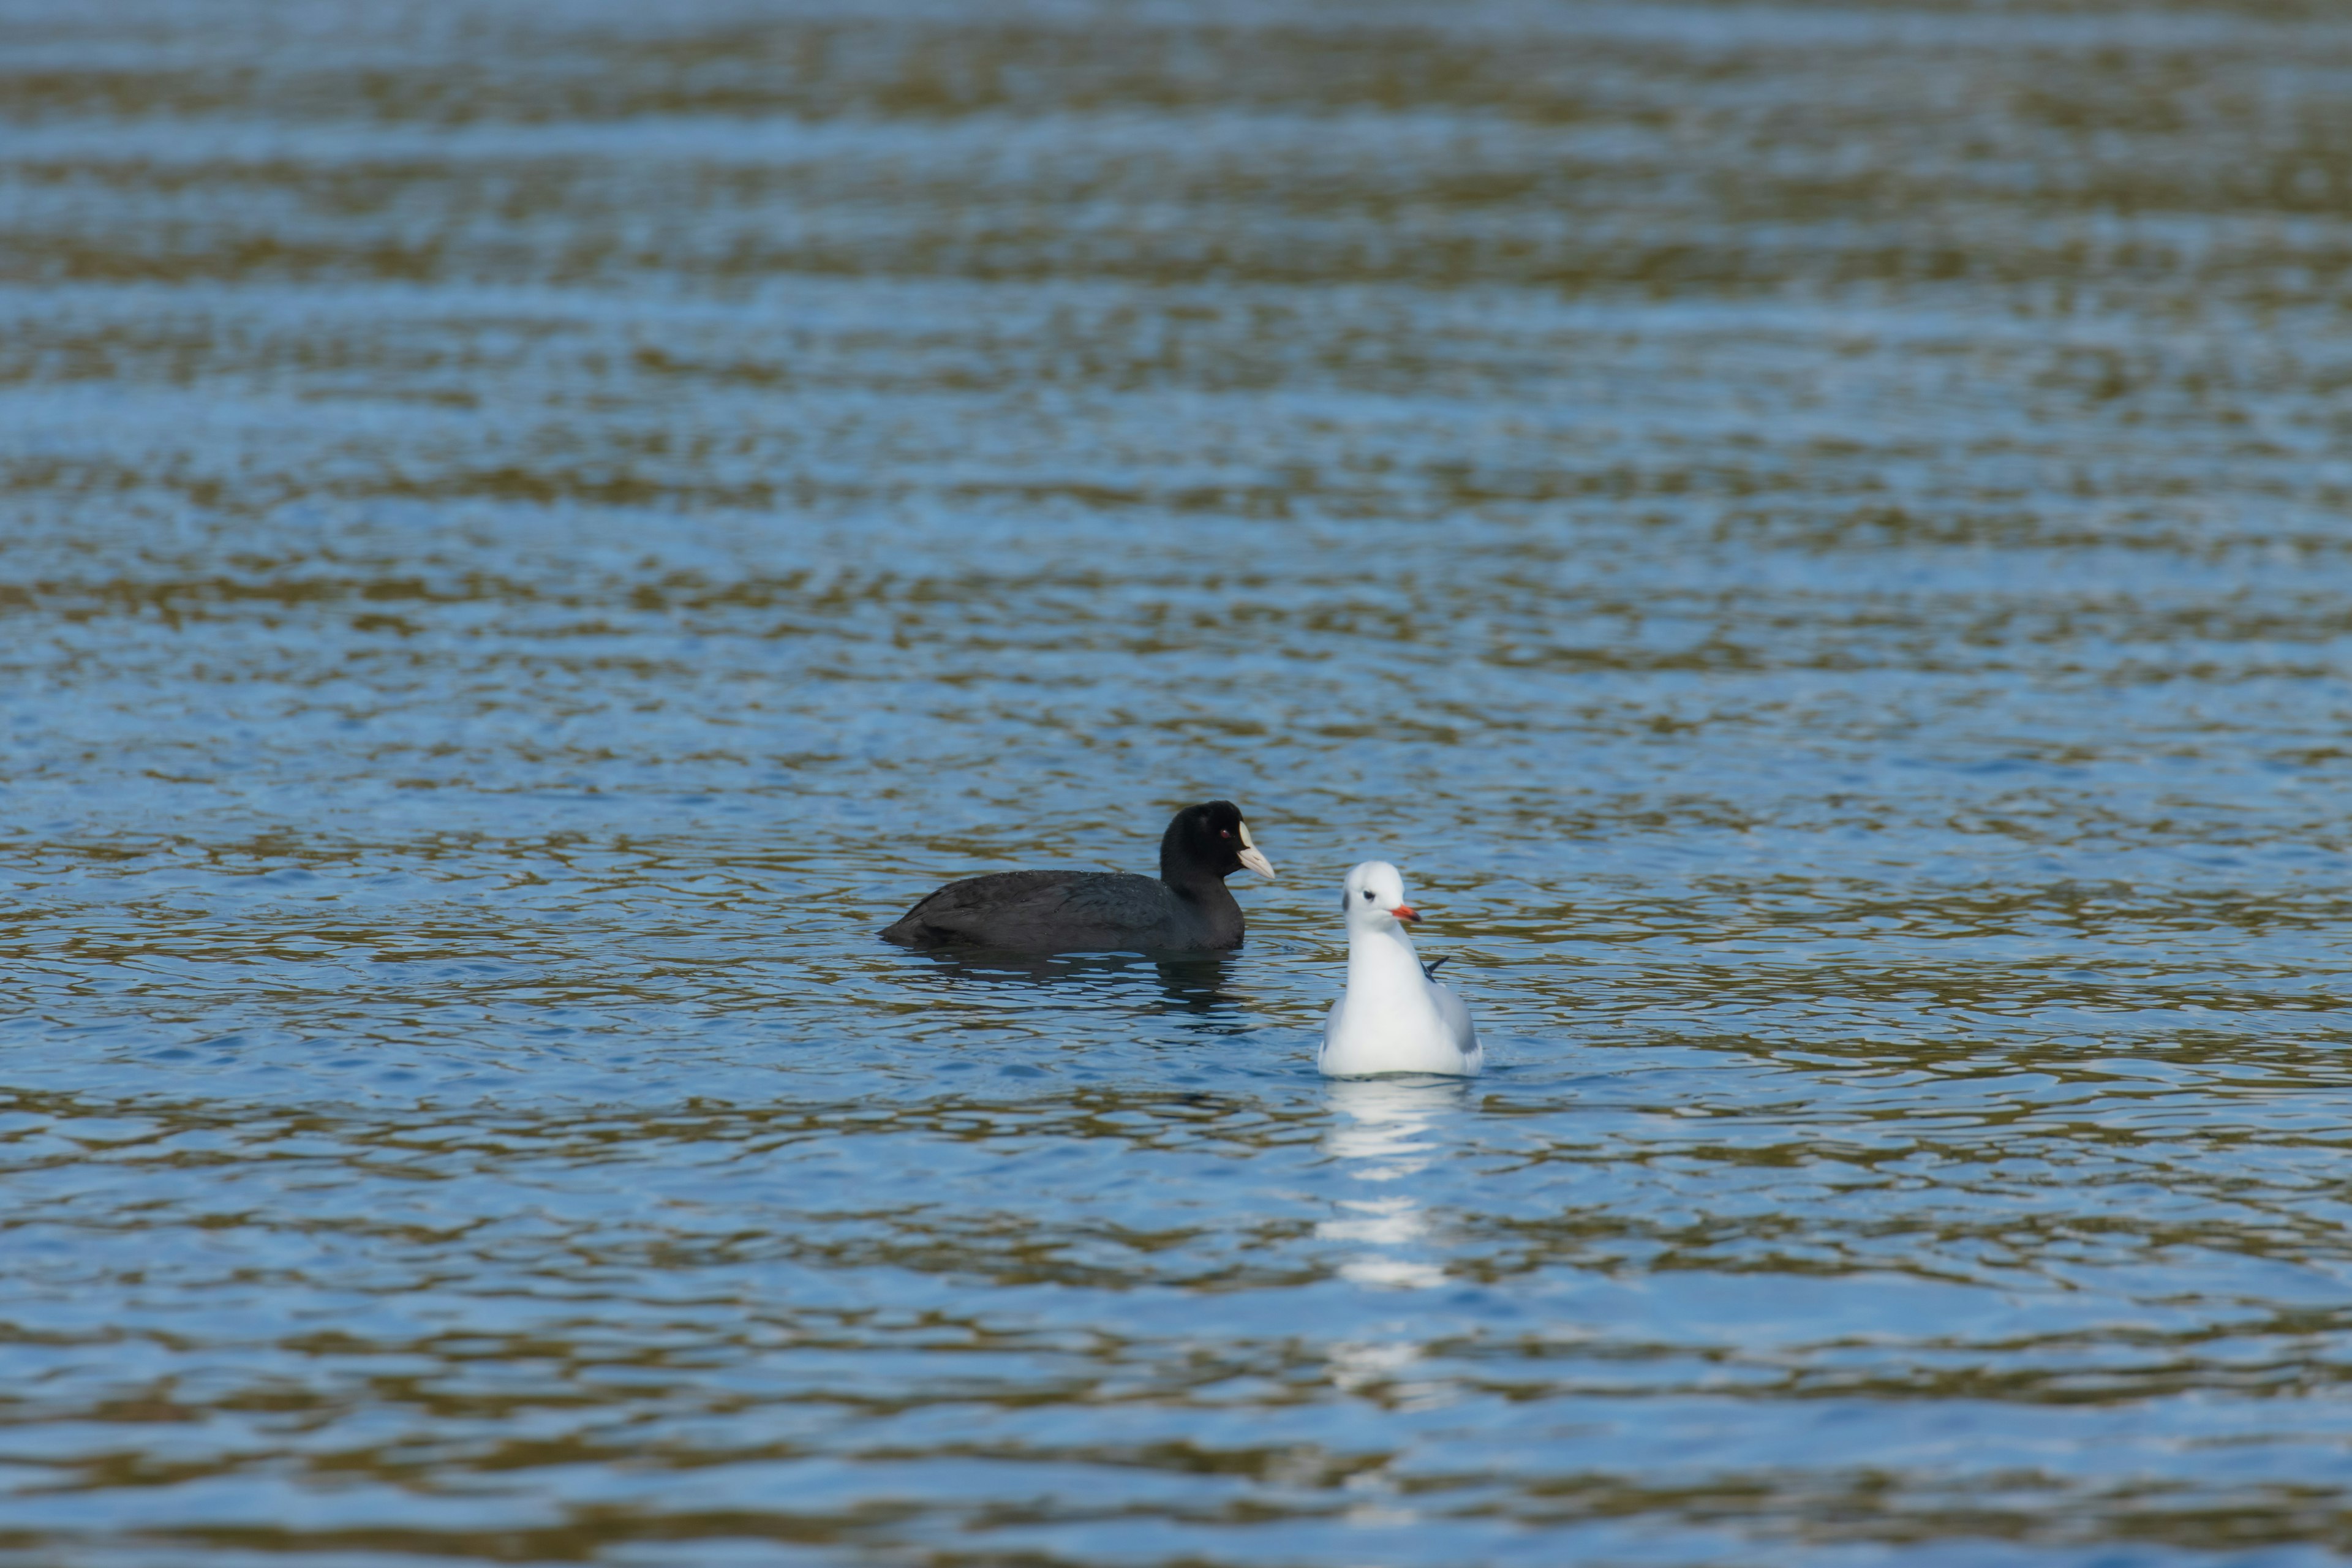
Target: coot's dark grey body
1187 910
1073 911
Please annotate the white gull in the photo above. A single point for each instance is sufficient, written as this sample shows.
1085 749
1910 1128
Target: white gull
1392 1018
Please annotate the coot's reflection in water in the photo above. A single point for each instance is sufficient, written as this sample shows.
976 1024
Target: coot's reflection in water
1192 982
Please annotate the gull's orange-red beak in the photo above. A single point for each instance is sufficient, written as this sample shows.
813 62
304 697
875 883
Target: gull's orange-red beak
1404 913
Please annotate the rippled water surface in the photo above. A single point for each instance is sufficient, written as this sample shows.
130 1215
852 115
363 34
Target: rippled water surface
1821 538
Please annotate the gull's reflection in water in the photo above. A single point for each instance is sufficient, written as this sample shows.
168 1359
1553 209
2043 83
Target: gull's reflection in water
1388 1131
1385 1133
1192 983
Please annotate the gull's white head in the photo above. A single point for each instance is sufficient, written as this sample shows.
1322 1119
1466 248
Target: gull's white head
1375 898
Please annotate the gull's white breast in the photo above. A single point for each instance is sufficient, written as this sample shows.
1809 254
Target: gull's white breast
1393 1019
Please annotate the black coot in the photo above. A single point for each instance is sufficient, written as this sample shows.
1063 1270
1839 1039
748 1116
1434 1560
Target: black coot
1188 910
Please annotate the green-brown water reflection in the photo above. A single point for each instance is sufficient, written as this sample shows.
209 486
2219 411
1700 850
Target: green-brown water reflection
1817 536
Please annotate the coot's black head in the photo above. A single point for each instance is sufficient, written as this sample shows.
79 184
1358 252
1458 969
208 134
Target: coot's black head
1208 842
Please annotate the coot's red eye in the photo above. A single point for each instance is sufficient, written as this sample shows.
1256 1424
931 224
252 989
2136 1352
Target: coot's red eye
1225 833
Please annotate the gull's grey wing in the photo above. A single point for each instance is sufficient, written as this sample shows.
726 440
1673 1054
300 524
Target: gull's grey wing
1457 1013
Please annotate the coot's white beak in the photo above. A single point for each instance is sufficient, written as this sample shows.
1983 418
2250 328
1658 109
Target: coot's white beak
1253 858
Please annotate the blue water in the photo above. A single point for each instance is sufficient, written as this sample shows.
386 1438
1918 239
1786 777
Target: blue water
1817 537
